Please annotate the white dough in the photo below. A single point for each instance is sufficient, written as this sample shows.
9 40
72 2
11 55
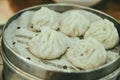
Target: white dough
73 23
87 54
49 44
90 16
105 32
45 17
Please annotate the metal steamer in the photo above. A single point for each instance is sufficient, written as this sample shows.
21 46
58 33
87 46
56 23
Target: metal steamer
17 67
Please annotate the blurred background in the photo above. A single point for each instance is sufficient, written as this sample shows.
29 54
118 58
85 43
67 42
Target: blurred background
9 7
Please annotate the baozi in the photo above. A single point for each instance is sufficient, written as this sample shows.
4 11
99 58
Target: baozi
87 54
48 44
105 32
45 17
67 41
73 23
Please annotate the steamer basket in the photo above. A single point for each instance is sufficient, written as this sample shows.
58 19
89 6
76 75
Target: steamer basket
11 72
46 73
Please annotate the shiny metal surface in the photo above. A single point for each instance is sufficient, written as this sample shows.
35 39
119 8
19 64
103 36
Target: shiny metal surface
112 76
11 72
40 71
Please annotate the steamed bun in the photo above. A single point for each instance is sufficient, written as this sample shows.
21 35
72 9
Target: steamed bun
87 54
45 17
48 44
73 23
105 32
